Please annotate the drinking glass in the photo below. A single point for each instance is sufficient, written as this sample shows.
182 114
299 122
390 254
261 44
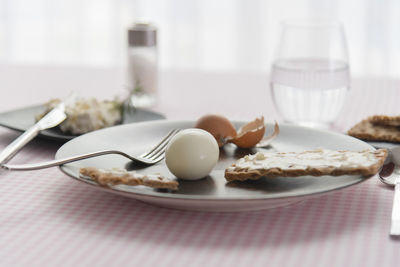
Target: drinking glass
310 72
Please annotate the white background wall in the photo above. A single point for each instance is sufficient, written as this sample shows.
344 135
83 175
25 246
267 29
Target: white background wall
210 35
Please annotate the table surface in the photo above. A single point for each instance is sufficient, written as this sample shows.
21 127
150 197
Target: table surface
48 219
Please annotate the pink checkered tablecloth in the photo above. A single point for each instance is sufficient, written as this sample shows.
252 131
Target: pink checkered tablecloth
48 219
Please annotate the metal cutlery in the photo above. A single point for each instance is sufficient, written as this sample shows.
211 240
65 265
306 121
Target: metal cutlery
156 154
50 120
390 175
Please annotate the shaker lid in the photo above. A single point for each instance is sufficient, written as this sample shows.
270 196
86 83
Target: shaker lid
142 34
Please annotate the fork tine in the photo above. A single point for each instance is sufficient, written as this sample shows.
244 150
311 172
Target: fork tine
157 153
156 146
160 145
159 158
161 149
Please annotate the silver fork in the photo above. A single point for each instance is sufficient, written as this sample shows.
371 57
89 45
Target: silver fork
156 154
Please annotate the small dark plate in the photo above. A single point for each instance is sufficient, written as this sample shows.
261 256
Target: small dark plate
23 118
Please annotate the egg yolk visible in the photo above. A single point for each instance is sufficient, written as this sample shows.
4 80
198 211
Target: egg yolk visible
192 154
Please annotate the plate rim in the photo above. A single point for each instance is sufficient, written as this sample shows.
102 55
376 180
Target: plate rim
161 195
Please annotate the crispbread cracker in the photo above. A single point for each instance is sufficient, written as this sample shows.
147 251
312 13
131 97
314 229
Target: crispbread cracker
366 130
118 176
315 163
385 120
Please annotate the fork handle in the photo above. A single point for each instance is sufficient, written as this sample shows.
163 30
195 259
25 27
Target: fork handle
58 162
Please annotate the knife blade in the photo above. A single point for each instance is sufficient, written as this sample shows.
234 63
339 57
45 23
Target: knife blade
50 120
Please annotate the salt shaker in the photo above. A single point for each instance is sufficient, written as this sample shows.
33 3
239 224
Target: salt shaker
142 64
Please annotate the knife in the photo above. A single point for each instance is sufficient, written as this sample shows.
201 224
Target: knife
395 227
50 120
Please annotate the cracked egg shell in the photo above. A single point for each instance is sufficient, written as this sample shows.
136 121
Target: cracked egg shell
250 134
219 126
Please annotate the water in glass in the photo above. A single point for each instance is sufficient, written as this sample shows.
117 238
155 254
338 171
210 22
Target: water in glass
309 91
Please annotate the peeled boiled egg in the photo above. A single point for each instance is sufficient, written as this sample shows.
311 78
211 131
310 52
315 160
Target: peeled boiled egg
220 127
192 154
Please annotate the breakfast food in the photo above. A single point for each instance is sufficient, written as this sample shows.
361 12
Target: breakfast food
317 162
385 120
192 154
118 176
249 135
220 127
86 115
266 141
371 130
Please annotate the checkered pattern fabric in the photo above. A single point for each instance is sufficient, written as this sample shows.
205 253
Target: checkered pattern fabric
48 219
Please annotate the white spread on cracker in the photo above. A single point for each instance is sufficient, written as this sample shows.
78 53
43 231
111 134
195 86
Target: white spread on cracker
120 173
117 176
307 159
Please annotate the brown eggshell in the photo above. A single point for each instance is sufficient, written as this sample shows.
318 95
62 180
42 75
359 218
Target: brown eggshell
267 140
250 134
219 126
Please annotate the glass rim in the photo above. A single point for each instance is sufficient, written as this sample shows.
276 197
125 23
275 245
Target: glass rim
312 23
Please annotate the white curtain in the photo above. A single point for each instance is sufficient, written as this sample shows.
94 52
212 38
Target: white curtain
210 35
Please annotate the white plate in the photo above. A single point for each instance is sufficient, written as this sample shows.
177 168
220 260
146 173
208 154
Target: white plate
212 193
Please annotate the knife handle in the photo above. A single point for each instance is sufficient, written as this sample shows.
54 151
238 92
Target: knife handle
395 228
12 149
